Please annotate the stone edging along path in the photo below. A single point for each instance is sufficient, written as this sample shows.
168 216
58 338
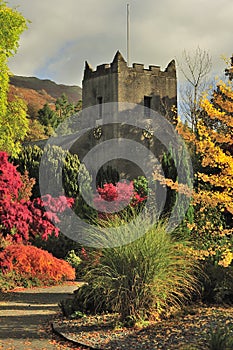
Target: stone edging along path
189 329
26 316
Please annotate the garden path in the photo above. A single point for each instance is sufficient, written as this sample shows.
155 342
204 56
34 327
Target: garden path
25 316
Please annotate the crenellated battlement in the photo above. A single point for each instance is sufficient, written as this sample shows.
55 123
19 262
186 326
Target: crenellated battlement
103 67
118 82
128 87
119 64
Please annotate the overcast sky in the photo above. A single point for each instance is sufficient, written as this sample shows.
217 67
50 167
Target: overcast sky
64 33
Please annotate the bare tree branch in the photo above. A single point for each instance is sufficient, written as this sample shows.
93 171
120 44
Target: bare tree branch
195 68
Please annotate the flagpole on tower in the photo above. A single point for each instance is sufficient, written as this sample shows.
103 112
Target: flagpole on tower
128 37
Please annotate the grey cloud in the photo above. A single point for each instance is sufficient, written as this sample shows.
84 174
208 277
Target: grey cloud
63 35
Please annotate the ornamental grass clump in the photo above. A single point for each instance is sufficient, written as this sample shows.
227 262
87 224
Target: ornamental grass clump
142 279
220 338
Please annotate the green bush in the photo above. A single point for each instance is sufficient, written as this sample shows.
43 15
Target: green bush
107 175
30 158
11 280
73 174
218 286
75 261
81 208
140 280
141 186
58 246
220 338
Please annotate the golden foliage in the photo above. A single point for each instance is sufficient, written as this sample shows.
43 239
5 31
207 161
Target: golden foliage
212 147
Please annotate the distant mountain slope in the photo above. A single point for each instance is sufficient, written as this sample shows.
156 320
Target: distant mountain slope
34 99
74 93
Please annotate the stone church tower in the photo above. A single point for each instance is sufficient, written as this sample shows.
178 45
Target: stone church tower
116 82
123 86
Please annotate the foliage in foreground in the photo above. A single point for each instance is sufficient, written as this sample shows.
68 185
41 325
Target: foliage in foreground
59 246
23 265
13 119
212 150
21 218
54 159
218 286
220 338
140 280
115 197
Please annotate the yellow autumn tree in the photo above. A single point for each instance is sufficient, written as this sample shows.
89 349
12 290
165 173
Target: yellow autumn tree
212 198
13 116
214 143
211 146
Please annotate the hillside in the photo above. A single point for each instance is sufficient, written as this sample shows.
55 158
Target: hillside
47 88
35 99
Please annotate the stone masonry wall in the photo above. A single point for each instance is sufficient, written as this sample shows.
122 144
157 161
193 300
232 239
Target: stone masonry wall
119 83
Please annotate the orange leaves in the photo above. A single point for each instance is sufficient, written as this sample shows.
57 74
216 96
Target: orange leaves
173 185
185 132
181 188
226 255
31 262
216 180
215 156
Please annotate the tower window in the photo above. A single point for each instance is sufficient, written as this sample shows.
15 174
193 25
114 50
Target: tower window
147 105
100 103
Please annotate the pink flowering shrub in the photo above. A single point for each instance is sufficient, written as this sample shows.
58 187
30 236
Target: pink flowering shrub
113 198
43 221
21 218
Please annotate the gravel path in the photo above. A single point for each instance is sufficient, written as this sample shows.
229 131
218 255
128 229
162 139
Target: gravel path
24 315
188 330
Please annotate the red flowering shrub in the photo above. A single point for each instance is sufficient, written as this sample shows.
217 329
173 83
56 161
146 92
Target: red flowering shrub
43 221
120 195
10 181
19 217
30 262
108 192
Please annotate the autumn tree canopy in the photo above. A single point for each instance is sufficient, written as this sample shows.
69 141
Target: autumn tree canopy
214 145
13 119
212 149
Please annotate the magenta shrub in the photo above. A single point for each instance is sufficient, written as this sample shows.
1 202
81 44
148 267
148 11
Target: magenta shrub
21 218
